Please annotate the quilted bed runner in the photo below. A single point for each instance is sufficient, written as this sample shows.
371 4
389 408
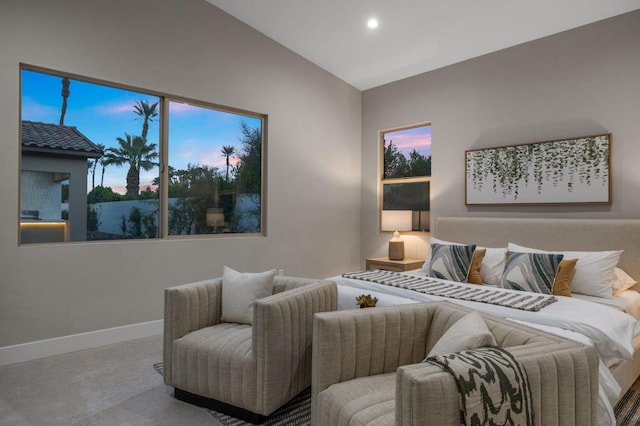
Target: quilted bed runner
494 387
476 293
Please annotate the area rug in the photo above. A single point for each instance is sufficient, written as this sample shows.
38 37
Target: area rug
627 410
298 411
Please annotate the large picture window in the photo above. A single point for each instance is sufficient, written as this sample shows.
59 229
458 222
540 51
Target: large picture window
406 172
102 162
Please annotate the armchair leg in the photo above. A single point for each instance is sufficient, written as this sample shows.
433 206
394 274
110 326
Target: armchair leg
219 406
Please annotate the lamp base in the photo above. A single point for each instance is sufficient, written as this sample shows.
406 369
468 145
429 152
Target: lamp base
396 250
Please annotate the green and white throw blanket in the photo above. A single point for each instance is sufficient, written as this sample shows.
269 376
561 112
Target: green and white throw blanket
494 388
475 293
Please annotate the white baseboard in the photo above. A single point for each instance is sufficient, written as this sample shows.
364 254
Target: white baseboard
76 342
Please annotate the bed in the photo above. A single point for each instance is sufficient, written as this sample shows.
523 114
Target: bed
609 322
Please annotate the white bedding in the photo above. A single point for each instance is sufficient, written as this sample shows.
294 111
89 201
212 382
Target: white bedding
611 330
602 325
626 301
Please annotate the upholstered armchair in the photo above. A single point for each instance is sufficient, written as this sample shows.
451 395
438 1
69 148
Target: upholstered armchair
246 370
367 367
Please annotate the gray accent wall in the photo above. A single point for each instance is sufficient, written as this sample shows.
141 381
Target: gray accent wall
186 48
581 82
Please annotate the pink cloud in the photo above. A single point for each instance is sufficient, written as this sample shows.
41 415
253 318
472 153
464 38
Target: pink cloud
408 142
119 108
122 107
215 159
177 107
119 189
418 138
143 187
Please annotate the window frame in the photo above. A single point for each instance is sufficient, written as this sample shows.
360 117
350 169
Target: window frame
382 181
164 99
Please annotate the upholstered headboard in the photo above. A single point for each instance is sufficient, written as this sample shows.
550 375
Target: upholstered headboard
549 234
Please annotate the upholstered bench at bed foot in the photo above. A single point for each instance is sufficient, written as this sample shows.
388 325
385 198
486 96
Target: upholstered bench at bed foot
362 401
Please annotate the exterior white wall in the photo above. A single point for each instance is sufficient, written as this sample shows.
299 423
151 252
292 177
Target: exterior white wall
186 48
39 192
76 169
577 83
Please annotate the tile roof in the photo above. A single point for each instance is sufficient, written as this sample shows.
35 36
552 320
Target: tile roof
38 135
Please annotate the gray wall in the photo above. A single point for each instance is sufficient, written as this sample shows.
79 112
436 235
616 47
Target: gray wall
187 48
581 82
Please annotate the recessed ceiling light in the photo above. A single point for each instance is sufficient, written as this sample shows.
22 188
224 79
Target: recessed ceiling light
372 23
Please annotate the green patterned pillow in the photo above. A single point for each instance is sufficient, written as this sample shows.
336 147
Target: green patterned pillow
450 262
531 271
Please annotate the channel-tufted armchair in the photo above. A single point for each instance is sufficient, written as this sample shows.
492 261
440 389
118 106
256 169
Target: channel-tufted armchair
367 368
246 370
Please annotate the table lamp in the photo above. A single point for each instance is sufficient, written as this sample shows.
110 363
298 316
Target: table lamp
396 221
215 218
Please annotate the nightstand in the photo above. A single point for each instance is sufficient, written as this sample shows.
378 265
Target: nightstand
393 265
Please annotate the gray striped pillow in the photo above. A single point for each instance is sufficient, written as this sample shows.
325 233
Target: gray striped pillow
450 262
531 271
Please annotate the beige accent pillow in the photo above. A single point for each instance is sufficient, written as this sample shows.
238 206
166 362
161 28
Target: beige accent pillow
563 276
474 276
240 290
469 332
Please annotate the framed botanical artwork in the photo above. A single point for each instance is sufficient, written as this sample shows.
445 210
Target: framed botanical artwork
567 171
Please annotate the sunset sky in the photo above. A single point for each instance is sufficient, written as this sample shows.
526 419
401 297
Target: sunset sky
418 138
102 113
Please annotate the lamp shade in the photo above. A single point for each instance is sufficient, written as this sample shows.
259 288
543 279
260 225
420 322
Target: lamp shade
215 217
396 220
421 220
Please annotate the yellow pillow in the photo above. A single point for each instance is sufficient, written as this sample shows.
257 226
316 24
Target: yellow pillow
473 276
563 276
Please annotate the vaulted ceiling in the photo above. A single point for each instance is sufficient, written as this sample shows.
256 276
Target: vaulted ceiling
413 36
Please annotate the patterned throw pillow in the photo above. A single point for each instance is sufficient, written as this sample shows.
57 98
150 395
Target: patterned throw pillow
534 272
450 262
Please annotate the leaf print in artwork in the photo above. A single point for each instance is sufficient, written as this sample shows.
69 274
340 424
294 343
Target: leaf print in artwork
563 171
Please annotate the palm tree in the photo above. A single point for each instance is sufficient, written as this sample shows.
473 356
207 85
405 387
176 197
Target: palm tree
65 94
147 113
94 164
228 151
134 151
104 164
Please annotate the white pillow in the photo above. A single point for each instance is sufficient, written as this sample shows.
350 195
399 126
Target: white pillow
593 274
240 290
469 332
622 281
492 264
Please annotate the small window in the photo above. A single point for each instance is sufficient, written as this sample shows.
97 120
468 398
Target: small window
406 172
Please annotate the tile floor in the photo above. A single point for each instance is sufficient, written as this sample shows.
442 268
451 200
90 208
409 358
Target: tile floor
110 385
